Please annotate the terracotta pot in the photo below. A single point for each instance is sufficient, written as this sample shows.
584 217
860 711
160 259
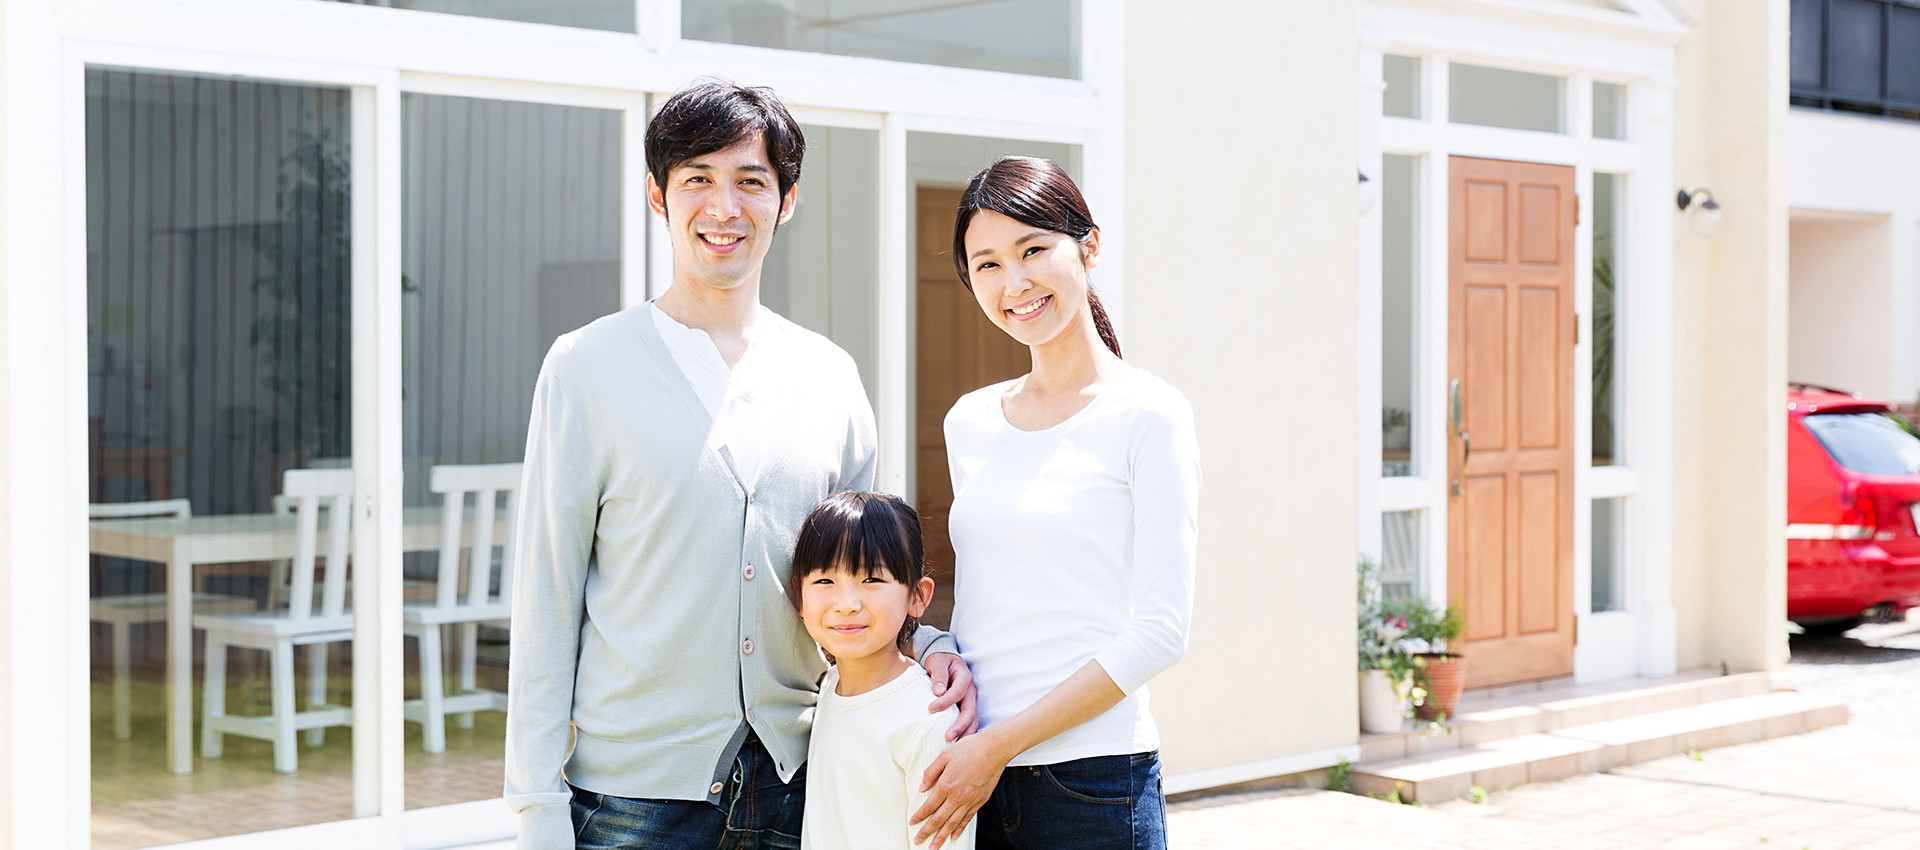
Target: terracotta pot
1380 708
1448 673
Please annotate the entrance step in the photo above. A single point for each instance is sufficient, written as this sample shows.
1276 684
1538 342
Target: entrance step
1580 748
1513 711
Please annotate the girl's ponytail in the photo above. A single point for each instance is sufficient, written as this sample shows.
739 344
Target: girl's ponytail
1100 322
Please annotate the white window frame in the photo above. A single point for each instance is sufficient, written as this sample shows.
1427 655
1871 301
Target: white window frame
1581 45
379 54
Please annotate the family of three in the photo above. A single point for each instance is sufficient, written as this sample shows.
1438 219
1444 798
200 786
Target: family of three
715 639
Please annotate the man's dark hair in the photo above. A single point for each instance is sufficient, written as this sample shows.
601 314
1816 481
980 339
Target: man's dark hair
713 114
869 534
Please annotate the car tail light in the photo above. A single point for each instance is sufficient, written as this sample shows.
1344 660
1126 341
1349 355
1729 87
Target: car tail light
1857 521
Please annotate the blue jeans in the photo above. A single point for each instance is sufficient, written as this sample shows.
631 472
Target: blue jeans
1099 803
756 812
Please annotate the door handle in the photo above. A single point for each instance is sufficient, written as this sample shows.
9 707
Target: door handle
1455 409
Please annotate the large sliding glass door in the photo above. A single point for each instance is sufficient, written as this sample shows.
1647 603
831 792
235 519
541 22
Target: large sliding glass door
511 236
315 299
219 254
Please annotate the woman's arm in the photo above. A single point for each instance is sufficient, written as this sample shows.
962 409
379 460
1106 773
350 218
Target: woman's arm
961 779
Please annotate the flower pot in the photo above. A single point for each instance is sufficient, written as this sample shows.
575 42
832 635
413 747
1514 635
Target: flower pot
1447 671
1380 709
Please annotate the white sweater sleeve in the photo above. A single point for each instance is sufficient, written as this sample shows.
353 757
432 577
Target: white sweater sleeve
559 500
1164 476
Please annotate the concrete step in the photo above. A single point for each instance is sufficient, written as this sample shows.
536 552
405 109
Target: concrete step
1592 747
1515 711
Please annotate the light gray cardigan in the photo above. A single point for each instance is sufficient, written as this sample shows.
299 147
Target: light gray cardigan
636 623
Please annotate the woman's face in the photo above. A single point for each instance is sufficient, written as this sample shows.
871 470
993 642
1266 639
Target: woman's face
1030 281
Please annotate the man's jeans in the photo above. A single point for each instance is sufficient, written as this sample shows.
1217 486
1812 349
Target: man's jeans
1100 803
756 812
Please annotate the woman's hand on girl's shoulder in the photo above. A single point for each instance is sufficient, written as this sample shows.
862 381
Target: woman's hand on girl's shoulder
957 784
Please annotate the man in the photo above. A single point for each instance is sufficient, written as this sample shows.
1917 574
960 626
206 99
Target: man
673 452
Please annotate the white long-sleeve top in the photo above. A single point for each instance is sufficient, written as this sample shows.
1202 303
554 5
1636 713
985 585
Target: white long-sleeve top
1074 543
868 754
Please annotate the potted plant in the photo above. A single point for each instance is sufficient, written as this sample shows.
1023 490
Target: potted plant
1439 675
1385 670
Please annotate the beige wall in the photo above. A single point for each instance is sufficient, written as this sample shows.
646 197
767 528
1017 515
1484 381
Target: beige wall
1730 297
1839 300
1241 135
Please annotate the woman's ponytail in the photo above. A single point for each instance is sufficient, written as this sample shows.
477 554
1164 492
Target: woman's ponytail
1100 322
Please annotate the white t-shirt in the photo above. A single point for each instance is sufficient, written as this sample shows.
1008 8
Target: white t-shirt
1074 543
865 764
728 394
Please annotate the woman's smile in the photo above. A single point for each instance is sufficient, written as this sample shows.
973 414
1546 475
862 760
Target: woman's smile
1027 311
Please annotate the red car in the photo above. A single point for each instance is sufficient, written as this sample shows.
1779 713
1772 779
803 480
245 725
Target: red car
1853 499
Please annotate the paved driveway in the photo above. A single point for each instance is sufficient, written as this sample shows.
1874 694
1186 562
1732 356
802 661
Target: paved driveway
1854 786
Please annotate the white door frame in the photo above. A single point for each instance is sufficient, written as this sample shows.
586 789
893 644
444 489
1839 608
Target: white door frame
1581 45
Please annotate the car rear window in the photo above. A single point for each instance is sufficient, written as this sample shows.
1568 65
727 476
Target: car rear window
1874 443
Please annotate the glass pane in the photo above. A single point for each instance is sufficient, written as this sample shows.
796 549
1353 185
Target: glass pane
615 15
822 271
510 237
1609 111
1606 394
1399 304
1903 54
955 348
1608 592
1402 98
1497 97
1854 47
1806 38
976 34
1874 443
1400 543
218 360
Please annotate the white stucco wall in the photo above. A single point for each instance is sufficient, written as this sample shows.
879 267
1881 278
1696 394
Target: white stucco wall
1839 302
1861 168
1241 132
1729 331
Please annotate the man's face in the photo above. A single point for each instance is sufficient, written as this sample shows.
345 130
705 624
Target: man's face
721 209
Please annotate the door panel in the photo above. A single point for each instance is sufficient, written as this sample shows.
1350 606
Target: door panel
1510 555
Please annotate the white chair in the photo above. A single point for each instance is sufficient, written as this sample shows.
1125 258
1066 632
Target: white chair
122 613
309 619
469 606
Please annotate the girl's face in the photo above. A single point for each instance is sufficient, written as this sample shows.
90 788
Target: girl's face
1030 281
854 617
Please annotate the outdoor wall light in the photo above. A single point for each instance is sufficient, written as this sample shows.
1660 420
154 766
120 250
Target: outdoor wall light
1369 194
1705 218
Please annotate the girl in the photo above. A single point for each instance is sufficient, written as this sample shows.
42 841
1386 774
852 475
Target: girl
1075 490
857 577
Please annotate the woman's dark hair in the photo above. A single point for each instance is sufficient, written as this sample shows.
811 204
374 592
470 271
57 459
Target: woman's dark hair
869 534
713 114
1038 193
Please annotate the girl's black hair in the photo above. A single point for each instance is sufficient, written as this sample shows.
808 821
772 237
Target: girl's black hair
1037 193
869 534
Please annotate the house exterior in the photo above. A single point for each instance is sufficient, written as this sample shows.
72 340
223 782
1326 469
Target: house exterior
239 237
1852 216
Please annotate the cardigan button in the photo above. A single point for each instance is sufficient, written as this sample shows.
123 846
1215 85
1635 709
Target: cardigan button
746 647
715 788
748 572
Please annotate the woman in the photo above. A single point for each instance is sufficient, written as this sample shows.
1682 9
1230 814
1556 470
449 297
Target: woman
1075 490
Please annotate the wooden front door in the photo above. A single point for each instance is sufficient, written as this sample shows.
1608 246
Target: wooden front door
1510 370
956 350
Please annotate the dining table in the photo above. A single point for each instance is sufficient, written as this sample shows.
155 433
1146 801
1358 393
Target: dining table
181 544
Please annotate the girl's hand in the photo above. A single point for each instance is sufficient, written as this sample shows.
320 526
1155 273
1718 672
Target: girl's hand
958 783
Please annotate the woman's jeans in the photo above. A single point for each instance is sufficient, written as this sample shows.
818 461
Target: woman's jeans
756 812
1100 803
